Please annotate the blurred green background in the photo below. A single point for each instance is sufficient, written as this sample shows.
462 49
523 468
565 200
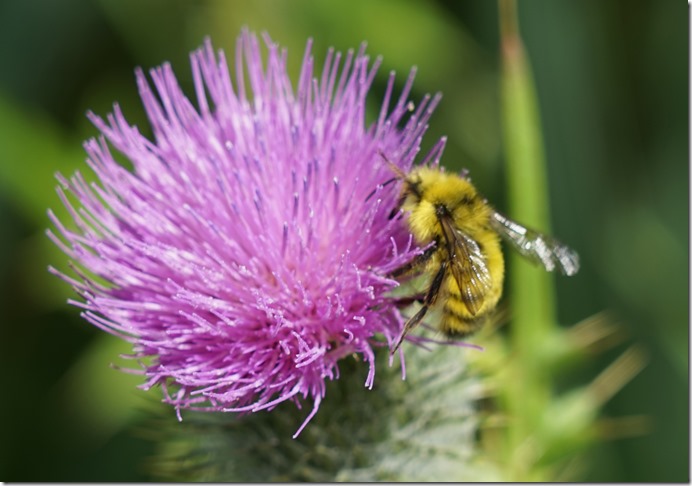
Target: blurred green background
612 79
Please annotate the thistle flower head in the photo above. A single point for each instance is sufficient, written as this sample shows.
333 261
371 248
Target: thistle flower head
247 250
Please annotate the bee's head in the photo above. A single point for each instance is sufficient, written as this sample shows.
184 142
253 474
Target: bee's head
419 183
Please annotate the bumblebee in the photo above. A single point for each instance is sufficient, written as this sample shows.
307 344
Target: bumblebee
461 233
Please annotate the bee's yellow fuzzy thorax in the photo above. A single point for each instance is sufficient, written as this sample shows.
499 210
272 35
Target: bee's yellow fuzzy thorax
427 188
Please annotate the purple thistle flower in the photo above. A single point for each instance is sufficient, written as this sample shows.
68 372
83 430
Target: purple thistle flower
248 250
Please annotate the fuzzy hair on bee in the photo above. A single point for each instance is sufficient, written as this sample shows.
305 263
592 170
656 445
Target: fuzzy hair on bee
463 259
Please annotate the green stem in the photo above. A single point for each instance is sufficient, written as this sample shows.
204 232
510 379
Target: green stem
530 288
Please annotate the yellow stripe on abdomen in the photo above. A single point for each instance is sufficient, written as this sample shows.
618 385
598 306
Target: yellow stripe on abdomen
453 324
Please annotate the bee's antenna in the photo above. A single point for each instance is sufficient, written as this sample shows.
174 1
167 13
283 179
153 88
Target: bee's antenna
399 174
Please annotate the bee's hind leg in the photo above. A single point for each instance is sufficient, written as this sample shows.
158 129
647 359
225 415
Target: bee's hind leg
428 301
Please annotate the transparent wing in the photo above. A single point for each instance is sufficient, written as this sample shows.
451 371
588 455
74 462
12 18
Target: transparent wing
536 246
468 266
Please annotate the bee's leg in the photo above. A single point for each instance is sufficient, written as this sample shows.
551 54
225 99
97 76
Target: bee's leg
406 301
386 183
397 208
416 262
429 300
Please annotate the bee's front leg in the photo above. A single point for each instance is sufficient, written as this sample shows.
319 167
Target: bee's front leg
417 262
